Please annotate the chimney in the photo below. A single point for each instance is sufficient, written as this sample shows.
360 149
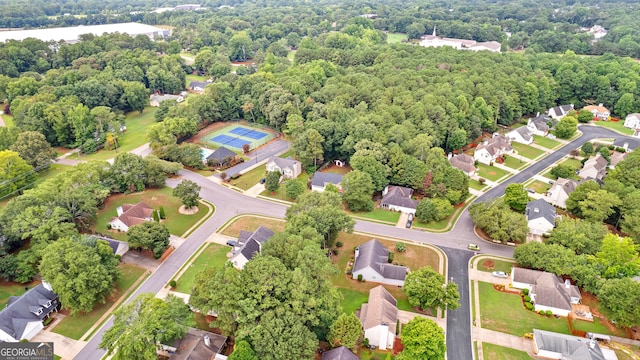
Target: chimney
601 104
47 285
207 341
486 142
567 284
450 156
592 344
384 335
536 210
357 252
538 114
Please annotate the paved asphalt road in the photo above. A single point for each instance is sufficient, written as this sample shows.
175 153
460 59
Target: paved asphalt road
230 203
265 152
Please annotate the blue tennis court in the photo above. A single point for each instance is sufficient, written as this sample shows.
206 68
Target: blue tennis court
230 141
253 134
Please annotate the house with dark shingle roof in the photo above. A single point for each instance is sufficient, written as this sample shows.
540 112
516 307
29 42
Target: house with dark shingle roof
493 148
198 86
248 245
398 198
288 168
522 135
547 290
371 261
340 353
196 344
559 192
321 180
595 168
539 125
558 112
541 217
220 156
464 162
22 318
130 215
379 318
553 345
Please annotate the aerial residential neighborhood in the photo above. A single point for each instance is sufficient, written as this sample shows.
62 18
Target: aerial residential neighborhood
320 180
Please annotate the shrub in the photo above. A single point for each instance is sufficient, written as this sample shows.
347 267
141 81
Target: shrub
400 247
223 175
548 313
390 259
620 149
525 291
162 213
335 251
339 244
108 226
528 335
527 298
482 181
172 284
491 163
611 147
360 278
156 217
365 342
528 305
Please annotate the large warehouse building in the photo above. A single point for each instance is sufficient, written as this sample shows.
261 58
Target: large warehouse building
71 35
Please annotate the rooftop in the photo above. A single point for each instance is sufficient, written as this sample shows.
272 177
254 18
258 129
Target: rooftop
72 34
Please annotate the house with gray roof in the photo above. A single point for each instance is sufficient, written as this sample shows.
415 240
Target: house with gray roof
340 353
220 156
553 345
493 148
22 318
371 261
198 86
547 290
558 112
322 179
248 245
156 99
398 198
539 125
379 318
595 168
521 135
559 192
464 162
541 217
196 344
288 168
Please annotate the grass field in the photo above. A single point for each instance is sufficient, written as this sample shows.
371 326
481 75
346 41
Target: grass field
8 120
491 265
248 179
545 142
190 77
8 290
496 352
281 193
491 172
393 38
475 184
505 313
615 125
379 214
175 222
514 163
214 256
527 151
135 136
575 163
251 223
77 325
539 186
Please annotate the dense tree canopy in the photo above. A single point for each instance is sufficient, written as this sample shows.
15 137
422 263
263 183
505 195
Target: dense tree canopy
426 289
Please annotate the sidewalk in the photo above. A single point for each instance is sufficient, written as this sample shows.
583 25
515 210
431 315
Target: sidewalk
497 338
255 190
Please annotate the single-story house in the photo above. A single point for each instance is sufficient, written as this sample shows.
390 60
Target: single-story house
130 215
248 245
632 121
155 99
398 198
539 125
195 345
541 217
594 168
198 86
491 149
118 247
547 290
289 168
463 162
559 192
551 345
22 317
339 353
220 156
522 135
379 318
371 261
599 112
558 112
321 180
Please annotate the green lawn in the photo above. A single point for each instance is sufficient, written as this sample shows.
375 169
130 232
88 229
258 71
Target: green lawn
505 313
595 327
514 163
491 172
572 162
190 77
575 163
545 142
492 264
248 179
352 300
53 170
527 151
396 37
539 186
434 225
135 136
380 215
497 352
281 193
77 325
615 125
175 222
8 120
291 55
214 256
475 184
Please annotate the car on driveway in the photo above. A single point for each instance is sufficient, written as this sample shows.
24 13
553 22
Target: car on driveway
500 274
473 247
232 243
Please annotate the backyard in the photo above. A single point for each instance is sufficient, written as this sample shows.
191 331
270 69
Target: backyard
545 142
8 290
378 214
527 151
77 325
281 193
615 125
393 38
492 264
8 120
574 163
213 256
177 223
497 352
539 186
250 178
491 172
251 223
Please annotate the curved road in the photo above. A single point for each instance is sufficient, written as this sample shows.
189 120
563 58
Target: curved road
230 203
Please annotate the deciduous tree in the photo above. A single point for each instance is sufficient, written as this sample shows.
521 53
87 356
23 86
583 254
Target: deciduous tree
358 189
422 339
272 181
188 192
345 331
619 300
516 197
294 188
426 289
33 147
151 235
618 257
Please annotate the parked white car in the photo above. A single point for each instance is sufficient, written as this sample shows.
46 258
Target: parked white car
500 274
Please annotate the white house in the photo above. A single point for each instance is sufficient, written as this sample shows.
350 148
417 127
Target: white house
22 317
632 121
539 125
558 112
289 168
371 261
198 86
599 112
464 162
541 217
522 135
398 198
321 180
550 345
248 245
559 192
379 318
594 168
491 149
547 290
130 215
155 100
459 44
